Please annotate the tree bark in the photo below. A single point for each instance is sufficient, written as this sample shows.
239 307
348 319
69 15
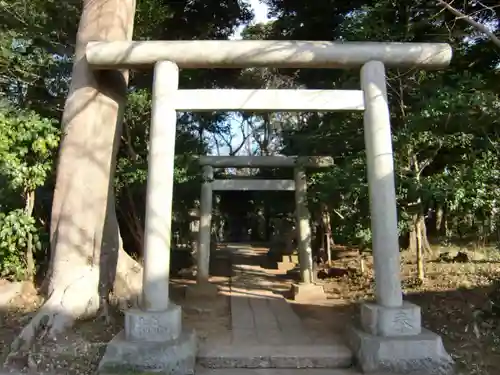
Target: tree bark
86 252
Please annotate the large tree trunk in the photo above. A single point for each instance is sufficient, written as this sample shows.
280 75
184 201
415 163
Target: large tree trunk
86 250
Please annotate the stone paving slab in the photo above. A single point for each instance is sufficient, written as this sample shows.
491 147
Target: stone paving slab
276 356
242 315
287 317
264 317
268 313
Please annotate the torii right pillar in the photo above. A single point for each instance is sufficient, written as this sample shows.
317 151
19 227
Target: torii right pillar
390 338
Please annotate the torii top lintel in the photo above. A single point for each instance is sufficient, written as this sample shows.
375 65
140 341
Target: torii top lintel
275 161
265 53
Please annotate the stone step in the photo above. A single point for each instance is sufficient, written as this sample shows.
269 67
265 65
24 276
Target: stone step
274 371
277 356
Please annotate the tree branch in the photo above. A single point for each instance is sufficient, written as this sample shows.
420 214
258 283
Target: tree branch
480 27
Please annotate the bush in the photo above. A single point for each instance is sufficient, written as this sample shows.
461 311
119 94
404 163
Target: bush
27 146
20 238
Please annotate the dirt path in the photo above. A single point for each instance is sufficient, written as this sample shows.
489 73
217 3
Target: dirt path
324 321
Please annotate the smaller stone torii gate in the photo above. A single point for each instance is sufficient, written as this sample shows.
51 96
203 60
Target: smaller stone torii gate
390 337
306 288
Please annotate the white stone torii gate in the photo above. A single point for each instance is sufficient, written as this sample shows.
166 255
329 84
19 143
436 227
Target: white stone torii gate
390 337
305 289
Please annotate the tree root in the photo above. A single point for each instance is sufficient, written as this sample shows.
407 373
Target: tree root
78 298
127 287
75 299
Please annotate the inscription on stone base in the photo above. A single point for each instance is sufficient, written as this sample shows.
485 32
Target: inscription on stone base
153 326
391 321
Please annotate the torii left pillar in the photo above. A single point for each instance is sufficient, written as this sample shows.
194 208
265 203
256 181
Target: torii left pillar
153 339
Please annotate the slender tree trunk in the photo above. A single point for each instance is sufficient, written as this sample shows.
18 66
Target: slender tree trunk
30 258
327 232
420 252
492 230
447 222
412 243
85 239
439 219
419 242
426 246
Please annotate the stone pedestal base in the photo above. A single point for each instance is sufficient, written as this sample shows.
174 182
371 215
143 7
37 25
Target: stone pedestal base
175 357
392 340
152 341
416 354
201 291
307 292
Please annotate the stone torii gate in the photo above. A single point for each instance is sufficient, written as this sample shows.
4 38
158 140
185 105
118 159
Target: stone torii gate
390 336
306 288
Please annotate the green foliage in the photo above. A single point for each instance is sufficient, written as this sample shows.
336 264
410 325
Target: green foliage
27 145
18 232
27 142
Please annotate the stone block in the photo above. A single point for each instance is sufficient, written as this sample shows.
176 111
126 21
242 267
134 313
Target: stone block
416 354
391 321
288 262
268 356
153 326
175 357
307 292
285 266
293 258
